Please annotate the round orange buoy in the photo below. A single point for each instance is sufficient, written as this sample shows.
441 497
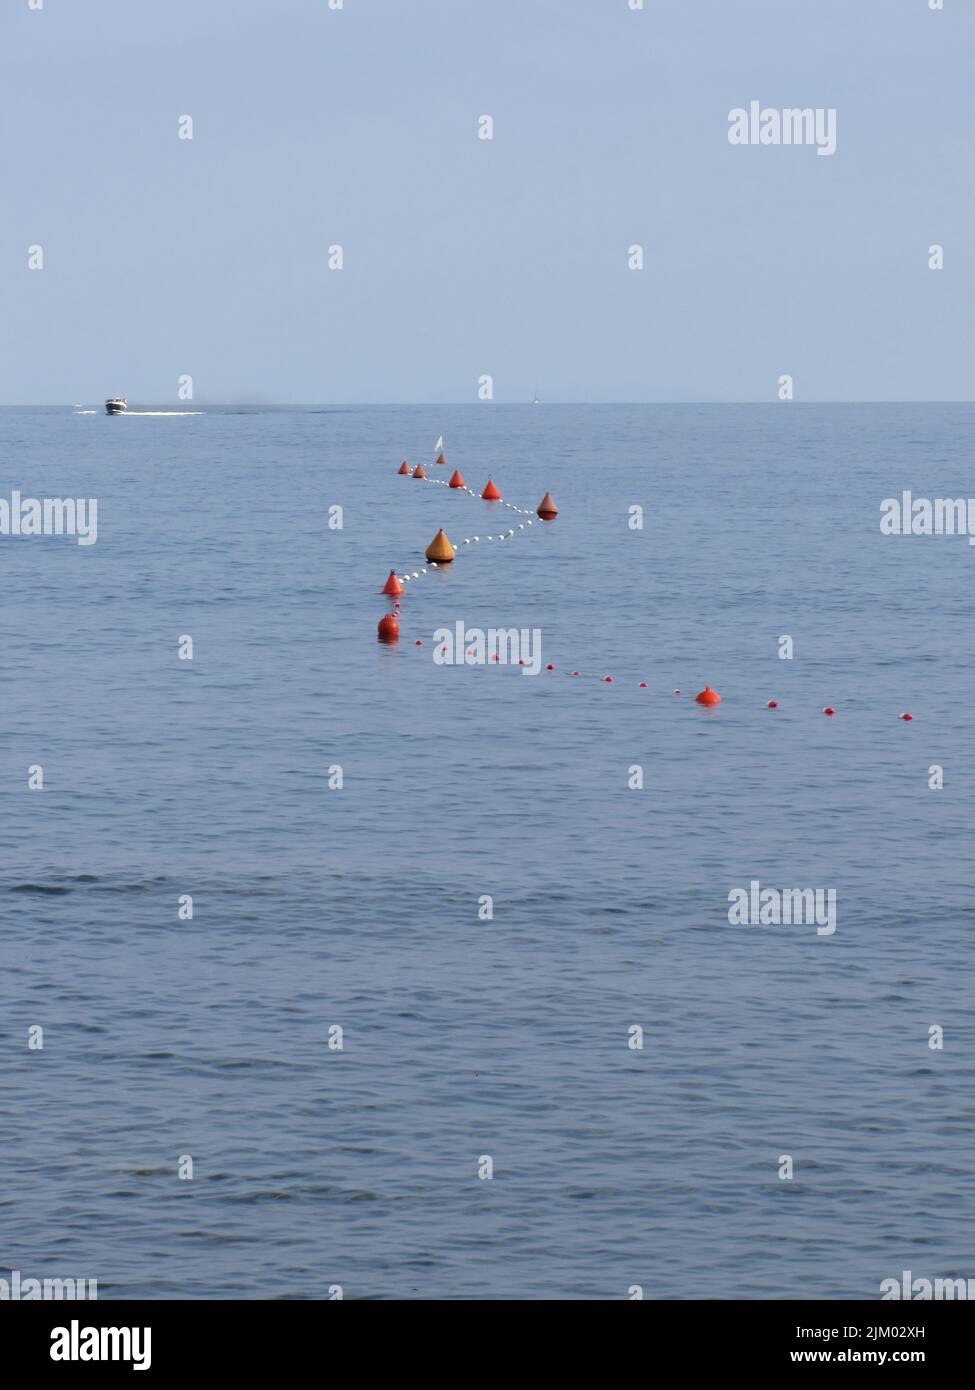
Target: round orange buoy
608 680
419 471
456 480
708 697
829 710
491 493
547 509
550 667
441 457
388 630
404 467
392 585
577 673
908 717
643 685
440 549
418 643
772 704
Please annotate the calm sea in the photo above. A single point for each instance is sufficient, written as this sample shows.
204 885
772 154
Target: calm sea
466 1038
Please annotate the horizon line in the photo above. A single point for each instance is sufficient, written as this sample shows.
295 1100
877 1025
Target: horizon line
436 405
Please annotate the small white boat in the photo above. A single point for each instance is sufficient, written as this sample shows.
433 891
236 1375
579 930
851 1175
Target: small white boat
116 405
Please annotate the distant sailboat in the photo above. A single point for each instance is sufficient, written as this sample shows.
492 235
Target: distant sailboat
535 400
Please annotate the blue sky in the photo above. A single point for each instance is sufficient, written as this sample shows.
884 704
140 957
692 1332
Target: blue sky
463 257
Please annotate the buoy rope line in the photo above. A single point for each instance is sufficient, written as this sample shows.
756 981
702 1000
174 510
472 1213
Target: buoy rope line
471 540
389 625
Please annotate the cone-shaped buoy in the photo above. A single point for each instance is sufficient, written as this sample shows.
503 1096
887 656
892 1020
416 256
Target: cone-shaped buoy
419 471
491 493
456 480
547 509
708 697
440 549
392 585
404 467
388 630
441 458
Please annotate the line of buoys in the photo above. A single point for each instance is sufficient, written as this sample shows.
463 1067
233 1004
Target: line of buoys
388 630
708 697
491 493
440 549
392 585
419 471
456 480
404 467
547 509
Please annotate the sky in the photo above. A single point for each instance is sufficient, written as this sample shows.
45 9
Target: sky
465 258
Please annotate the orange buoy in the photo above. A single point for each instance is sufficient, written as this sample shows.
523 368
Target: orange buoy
708 697
388 630
419 471
772 704
550 667
456 480
908 717
404 467
829 710
392 585
441 457
643 685
491 493
547 509
440 549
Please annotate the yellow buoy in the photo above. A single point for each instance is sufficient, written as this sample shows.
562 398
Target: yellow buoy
440 549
